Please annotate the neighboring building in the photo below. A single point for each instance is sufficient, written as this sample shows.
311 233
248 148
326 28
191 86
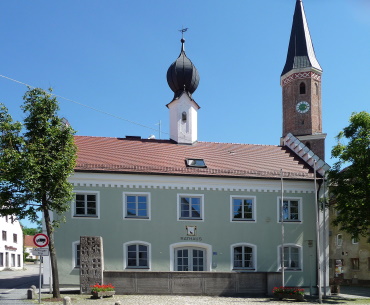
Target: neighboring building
11 243
184 205
29 245
349 257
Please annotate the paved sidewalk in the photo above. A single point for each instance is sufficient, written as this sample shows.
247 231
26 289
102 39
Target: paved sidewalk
15 283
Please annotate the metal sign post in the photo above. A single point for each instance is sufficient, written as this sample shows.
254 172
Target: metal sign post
41 241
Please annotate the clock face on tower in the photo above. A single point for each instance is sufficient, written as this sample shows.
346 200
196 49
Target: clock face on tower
302 107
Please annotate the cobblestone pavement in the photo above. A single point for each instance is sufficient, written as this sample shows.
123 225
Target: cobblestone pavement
198 300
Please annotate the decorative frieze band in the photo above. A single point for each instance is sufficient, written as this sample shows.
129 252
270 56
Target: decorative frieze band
301 75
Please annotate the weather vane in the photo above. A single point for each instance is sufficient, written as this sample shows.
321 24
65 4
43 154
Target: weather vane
183 31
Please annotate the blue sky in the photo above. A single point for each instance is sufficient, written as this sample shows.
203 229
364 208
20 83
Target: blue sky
113 56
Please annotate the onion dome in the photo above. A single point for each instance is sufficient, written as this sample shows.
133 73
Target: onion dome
182 76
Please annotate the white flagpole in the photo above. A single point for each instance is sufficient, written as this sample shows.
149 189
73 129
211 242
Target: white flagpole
282 229
317 238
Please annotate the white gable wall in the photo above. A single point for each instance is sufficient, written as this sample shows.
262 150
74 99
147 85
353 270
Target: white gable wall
183 132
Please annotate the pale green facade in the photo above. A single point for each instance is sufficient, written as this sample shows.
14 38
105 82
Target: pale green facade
216 232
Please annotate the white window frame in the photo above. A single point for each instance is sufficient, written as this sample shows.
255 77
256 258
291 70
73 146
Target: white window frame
148 205
254 257
300 213
300 258
73 209
254 200
201 196
206 247
125 255
74 254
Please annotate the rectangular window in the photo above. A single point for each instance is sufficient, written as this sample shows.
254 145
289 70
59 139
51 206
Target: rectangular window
137 256
15 238
190 207
137 205
4 235
355 263
291 210
339 240
242 208
86 204
1 259
19 260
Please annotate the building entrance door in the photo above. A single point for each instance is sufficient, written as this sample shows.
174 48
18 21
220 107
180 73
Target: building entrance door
190 259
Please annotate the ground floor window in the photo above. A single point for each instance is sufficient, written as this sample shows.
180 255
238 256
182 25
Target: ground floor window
190 259
76 254
292 257
137 255
1 259
19 260
243 256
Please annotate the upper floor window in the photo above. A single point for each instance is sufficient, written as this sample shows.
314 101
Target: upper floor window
291 210
292 257
137 205
355 262
244 256
339 240
15 238
137 255
242 208
4 235
302 88
190 207
86 204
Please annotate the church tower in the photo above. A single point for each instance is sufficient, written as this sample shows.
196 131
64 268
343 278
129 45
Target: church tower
183 79
301 87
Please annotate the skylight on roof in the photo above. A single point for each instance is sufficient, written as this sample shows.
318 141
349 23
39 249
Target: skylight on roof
195 163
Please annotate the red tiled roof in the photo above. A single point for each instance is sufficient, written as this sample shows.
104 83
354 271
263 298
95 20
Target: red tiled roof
102 154
28 241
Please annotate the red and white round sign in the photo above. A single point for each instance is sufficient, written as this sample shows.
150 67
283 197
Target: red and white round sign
41 240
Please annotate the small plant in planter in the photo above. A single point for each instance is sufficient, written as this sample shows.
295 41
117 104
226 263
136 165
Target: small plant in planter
288 293
100 291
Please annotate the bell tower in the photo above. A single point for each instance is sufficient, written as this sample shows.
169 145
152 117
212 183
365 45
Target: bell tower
301 87
183 79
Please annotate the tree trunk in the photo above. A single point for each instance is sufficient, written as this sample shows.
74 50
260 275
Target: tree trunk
53 254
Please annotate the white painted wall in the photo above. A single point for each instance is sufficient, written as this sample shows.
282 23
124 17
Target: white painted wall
11 247
183 132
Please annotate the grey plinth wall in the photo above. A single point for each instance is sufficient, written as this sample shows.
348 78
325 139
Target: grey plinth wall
193 283
91 262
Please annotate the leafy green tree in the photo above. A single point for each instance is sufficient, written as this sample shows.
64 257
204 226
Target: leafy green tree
350 176
30 231
36 159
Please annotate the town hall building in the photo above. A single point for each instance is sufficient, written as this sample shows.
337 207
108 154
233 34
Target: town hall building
182 206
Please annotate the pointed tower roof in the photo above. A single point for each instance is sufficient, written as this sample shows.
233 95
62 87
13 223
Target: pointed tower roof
182 76
301 53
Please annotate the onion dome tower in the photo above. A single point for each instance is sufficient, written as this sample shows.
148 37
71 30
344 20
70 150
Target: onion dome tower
301 87
182 74
183 79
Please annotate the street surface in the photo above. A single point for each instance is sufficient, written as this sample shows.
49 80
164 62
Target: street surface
14 284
